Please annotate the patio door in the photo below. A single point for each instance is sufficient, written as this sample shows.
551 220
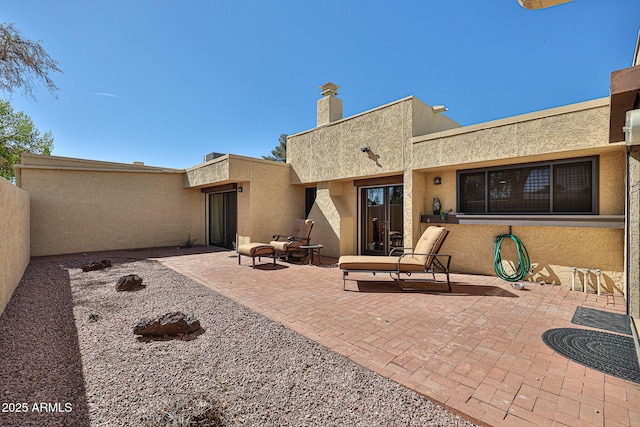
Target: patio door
223 219
382 219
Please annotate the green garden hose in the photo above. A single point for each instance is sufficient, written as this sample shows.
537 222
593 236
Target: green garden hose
524 263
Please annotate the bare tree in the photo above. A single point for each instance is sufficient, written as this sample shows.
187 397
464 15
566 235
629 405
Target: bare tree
22 61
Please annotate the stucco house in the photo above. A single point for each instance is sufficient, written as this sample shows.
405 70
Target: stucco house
559 179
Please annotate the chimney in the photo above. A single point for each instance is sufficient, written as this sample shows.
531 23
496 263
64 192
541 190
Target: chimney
329 107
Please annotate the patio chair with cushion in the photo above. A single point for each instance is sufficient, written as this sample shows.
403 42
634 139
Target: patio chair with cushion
286 245
424 258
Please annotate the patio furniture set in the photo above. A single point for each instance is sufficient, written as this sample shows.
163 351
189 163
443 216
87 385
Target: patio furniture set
296 245
424 258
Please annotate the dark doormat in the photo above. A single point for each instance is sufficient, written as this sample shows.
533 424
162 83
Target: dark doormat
609 353
613 322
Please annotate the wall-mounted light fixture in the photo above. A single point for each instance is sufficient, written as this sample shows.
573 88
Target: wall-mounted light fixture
439 108
365 149
631 128
437 180
239 189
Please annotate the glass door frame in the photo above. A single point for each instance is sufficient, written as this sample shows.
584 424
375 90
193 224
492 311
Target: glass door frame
229 219
384 220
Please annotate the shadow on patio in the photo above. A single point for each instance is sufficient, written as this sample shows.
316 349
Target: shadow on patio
458 288
477 351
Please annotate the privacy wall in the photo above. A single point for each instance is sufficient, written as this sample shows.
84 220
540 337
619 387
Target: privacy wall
84 206
14 238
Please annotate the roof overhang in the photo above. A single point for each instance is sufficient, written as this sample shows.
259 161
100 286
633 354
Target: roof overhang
540 4
625 96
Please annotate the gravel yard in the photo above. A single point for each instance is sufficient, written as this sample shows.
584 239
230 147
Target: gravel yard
69 358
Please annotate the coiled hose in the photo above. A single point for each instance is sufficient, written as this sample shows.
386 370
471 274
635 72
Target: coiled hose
524 262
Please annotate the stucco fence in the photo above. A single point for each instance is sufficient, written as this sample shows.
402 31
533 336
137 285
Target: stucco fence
14 238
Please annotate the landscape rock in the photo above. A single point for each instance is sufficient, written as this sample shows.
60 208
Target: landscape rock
93 266
130 282
171 324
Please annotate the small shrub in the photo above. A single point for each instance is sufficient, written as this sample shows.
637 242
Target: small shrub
189 242
186 411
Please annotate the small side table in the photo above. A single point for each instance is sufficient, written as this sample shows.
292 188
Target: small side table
310 250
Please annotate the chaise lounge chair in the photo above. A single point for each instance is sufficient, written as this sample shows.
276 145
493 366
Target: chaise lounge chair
424 258
285 246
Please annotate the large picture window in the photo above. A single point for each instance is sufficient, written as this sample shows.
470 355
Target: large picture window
557 187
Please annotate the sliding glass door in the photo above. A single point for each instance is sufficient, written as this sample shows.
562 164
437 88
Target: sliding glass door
382 219
223 219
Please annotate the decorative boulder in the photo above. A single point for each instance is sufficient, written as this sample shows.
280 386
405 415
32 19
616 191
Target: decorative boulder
93 266
131 282
170 324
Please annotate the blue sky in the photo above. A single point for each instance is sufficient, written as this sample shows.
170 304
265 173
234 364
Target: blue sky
166 82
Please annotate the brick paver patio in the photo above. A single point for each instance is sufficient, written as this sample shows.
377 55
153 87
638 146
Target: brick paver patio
477 351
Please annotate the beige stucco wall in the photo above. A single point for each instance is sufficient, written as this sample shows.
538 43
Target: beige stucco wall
555 250
329 154
272 202
232 168
14 238
633 237
334 151
84 206
633 224
81 203
268 203
326 155
334 214
214 171
425 121
564 132
573 130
